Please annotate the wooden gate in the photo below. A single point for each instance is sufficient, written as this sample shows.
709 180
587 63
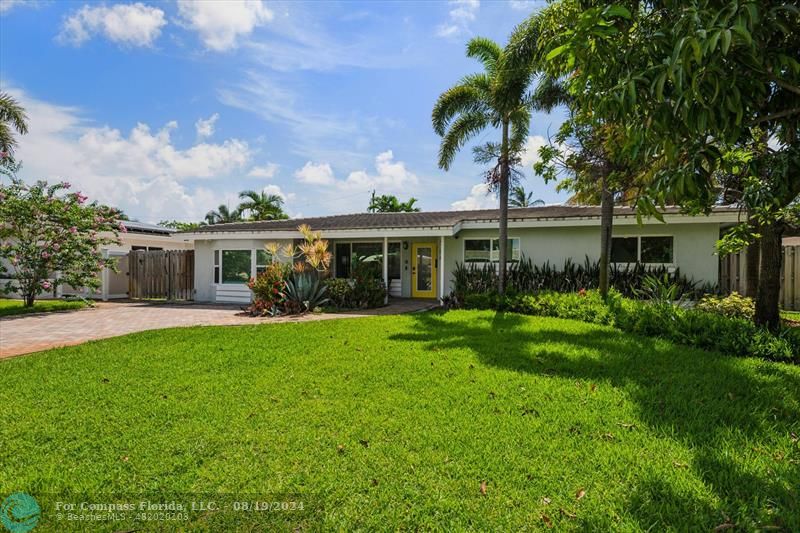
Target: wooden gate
733 271
161 274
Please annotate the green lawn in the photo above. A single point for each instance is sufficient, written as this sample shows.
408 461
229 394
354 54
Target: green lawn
10 307
395 422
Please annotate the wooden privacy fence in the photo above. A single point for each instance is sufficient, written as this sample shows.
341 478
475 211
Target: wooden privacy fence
733 276
161 274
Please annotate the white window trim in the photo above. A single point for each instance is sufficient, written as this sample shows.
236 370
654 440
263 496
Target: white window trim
638 238
221 258
491 246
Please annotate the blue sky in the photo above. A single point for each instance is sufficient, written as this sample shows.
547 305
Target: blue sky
167 109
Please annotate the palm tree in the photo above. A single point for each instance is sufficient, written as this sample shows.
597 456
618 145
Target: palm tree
12 117
520 198
262 206
497 99
222 215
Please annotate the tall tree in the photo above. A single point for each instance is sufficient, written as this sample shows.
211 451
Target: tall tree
223 215
495 98
689 81
262 206
387 203
521 198
586 154
12 118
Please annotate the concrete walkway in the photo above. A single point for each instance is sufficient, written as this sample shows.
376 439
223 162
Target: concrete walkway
41 331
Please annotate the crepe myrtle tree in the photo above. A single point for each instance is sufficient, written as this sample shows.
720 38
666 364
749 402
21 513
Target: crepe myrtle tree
47 230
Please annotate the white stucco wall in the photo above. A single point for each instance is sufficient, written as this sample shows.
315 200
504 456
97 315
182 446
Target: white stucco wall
204 261
693 245
693 249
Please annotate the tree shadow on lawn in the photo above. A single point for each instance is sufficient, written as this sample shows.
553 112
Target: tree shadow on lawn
703 400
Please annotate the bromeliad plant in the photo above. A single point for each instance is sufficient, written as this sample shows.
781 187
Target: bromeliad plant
47 232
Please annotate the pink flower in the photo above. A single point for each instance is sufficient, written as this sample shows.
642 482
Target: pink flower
80 197
45 255
73 229
3 155
46 285
56 246
122 228
66 184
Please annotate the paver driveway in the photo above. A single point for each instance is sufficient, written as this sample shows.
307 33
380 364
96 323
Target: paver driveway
32 333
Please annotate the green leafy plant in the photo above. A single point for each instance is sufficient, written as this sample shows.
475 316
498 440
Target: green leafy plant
527 277
304 292
734 305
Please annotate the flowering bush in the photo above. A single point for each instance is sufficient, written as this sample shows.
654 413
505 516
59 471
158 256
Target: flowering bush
268 290
46 231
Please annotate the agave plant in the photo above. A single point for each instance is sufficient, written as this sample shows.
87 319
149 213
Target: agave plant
304 292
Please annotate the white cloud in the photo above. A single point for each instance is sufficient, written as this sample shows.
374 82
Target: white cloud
276 190
318 174
264 171
310 129
390 176
531 154
525 5
205 127
479 198
7 5
461 14
220 24
142 172
126 24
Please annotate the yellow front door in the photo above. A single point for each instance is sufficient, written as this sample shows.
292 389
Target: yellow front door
423 270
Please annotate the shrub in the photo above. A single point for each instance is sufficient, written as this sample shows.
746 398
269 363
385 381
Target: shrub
526 277
268 291
340 293
734 305
657 318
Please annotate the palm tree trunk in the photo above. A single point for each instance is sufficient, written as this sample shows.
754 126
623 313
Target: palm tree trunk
606 227
769 283
501 283
753 258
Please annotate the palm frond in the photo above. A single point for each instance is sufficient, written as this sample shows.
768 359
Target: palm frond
460 99
487 51
462 130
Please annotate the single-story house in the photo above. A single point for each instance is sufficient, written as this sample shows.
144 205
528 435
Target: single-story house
422 249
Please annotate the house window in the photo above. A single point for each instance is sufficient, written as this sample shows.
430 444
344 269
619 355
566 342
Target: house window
263 258
348 255
647 250
236 266
656 250
488 250
216 266
394 260
624 249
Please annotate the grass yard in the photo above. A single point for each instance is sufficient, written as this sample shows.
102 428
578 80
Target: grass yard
10 307
398 421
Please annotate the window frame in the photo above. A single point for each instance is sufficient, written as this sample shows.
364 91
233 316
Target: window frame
350 244
492 250
639 249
